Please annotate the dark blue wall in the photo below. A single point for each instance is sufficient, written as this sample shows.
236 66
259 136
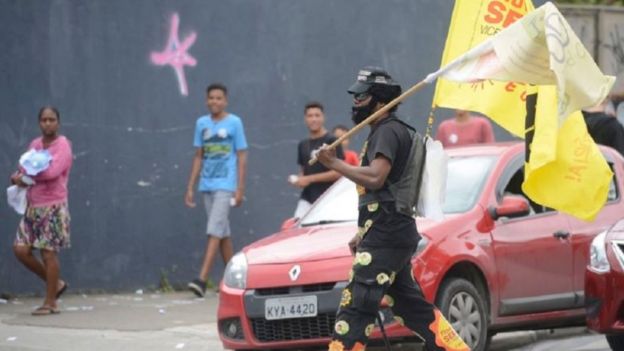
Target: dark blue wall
132 129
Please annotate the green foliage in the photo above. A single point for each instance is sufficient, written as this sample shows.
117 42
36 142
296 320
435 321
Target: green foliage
211 285
165 286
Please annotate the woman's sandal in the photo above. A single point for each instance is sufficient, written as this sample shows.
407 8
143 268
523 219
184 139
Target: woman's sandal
60 292
45 311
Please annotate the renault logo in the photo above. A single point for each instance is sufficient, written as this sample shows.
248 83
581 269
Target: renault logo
294 272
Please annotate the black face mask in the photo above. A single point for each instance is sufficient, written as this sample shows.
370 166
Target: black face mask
359 113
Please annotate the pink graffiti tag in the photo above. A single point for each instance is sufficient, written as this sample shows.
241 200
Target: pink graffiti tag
176 54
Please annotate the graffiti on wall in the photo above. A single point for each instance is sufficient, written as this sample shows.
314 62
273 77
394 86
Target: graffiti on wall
175 53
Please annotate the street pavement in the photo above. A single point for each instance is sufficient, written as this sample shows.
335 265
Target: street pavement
179 321
174 321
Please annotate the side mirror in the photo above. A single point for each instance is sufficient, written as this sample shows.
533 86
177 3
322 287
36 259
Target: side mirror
512 206
289 223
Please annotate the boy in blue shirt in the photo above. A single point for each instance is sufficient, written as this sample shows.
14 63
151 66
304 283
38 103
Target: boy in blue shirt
220 163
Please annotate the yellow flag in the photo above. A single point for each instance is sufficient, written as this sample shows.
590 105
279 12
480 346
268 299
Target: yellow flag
540 48
473 22
566 170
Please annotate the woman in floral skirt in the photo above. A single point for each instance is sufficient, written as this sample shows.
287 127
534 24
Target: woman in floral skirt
45 224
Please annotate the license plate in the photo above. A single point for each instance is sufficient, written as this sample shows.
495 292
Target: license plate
290 307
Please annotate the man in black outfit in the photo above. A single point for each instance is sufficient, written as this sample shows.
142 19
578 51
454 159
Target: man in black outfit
315 179
387 235
604 129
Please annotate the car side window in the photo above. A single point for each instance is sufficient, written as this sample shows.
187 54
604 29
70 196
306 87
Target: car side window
613 189
514 187
511 181
611 196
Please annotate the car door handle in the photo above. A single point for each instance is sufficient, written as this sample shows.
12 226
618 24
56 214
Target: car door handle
561 234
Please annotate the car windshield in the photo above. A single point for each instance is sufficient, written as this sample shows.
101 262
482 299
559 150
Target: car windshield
338 204
465 179
464 182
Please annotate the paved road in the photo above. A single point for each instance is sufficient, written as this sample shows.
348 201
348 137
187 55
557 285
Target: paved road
177 321
571 339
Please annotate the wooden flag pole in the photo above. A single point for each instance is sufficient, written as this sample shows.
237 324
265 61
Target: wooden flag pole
370 119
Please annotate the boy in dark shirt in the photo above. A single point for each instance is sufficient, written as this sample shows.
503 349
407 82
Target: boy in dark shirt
314 179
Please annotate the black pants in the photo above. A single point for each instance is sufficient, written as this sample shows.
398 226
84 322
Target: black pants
386 273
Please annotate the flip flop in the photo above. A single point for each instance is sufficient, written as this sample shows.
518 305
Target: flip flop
60 292
45 311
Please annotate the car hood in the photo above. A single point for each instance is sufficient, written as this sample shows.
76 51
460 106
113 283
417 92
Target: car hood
302 244
310 243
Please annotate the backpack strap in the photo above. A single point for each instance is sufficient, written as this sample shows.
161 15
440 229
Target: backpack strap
406 191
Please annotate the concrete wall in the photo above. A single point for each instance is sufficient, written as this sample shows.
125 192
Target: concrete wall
131 119
131 122
601 29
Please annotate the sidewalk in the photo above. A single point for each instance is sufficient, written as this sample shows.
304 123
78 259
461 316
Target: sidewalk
172 321
179 321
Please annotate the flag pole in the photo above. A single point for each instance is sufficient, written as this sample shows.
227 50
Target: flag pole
370 119
475 52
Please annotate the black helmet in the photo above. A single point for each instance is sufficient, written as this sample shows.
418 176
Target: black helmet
377 82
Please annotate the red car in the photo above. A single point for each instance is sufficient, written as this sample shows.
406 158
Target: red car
496 262
604 285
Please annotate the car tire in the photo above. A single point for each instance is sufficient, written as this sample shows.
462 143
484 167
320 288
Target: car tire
465 308
616 341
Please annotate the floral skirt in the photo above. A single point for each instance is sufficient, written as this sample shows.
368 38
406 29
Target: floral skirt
45 228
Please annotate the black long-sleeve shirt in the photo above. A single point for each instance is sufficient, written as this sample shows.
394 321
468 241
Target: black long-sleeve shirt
605 130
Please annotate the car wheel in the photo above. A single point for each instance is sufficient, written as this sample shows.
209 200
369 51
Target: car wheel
464 307
616 341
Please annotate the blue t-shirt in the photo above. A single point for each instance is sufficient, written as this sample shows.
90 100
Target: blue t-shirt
220 141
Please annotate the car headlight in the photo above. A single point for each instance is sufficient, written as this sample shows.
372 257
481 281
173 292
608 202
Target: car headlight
422 244
598 254
235 275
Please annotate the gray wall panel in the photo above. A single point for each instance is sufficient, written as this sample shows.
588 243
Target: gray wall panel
132 128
